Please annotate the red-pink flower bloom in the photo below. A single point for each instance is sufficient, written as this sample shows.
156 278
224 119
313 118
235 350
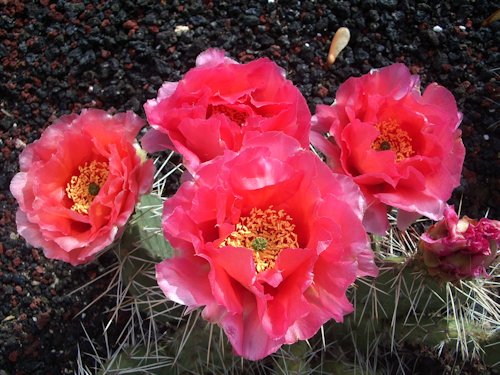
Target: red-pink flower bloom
460 249
79 183
217 102
401 147
268 240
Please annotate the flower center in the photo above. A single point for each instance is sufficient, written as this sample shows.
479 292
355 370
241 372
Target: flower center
392 137
82 189
232 114
266 233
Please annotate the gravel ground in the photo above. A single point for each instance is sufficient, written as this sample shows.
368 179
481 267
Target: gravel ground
58 57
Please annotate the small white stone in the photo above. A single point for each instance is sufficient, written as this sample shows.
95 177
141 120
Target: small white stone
437 29
270 1
462 27
181 29
486 137
20 144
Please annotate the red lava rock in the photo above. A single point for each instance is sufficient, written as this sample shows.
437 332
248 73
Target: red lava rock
486 103
17 327
415 69
18 289
469 175
447 67
67 315
1 248
17 261
35 255
37 81
322 91
276 50
13 356
32 350
105 53
35 303
130 25
57 16
6 152
42 319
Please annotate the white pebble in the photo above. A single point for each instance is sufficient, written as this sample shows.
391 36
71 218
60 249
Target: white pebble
181 29
462 27
437 29
486 137
20 144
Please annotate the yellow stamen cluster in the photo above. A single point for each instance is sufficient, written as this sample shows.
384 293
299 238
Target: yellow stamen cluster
83 188
266 233
233 114
392 137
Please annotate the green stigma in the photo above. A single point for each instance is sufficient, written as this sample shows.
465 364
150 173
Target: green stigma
94 189
385 146
259 244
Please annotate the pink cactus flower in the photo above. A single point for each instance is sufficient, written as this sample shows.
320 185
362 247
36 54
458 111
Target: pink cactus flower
401 147
79 183
268 240
217 102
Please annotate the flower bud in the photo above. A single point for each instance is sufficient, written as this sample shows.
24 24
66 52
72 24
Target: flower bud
455 249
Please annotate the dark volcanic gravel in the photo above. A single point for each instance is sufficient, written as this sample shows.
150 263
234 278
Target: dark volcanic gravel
58 57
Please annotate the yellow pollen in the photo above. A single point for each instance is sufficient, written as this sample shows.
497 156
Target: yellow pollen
82 189
392 137
266 233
